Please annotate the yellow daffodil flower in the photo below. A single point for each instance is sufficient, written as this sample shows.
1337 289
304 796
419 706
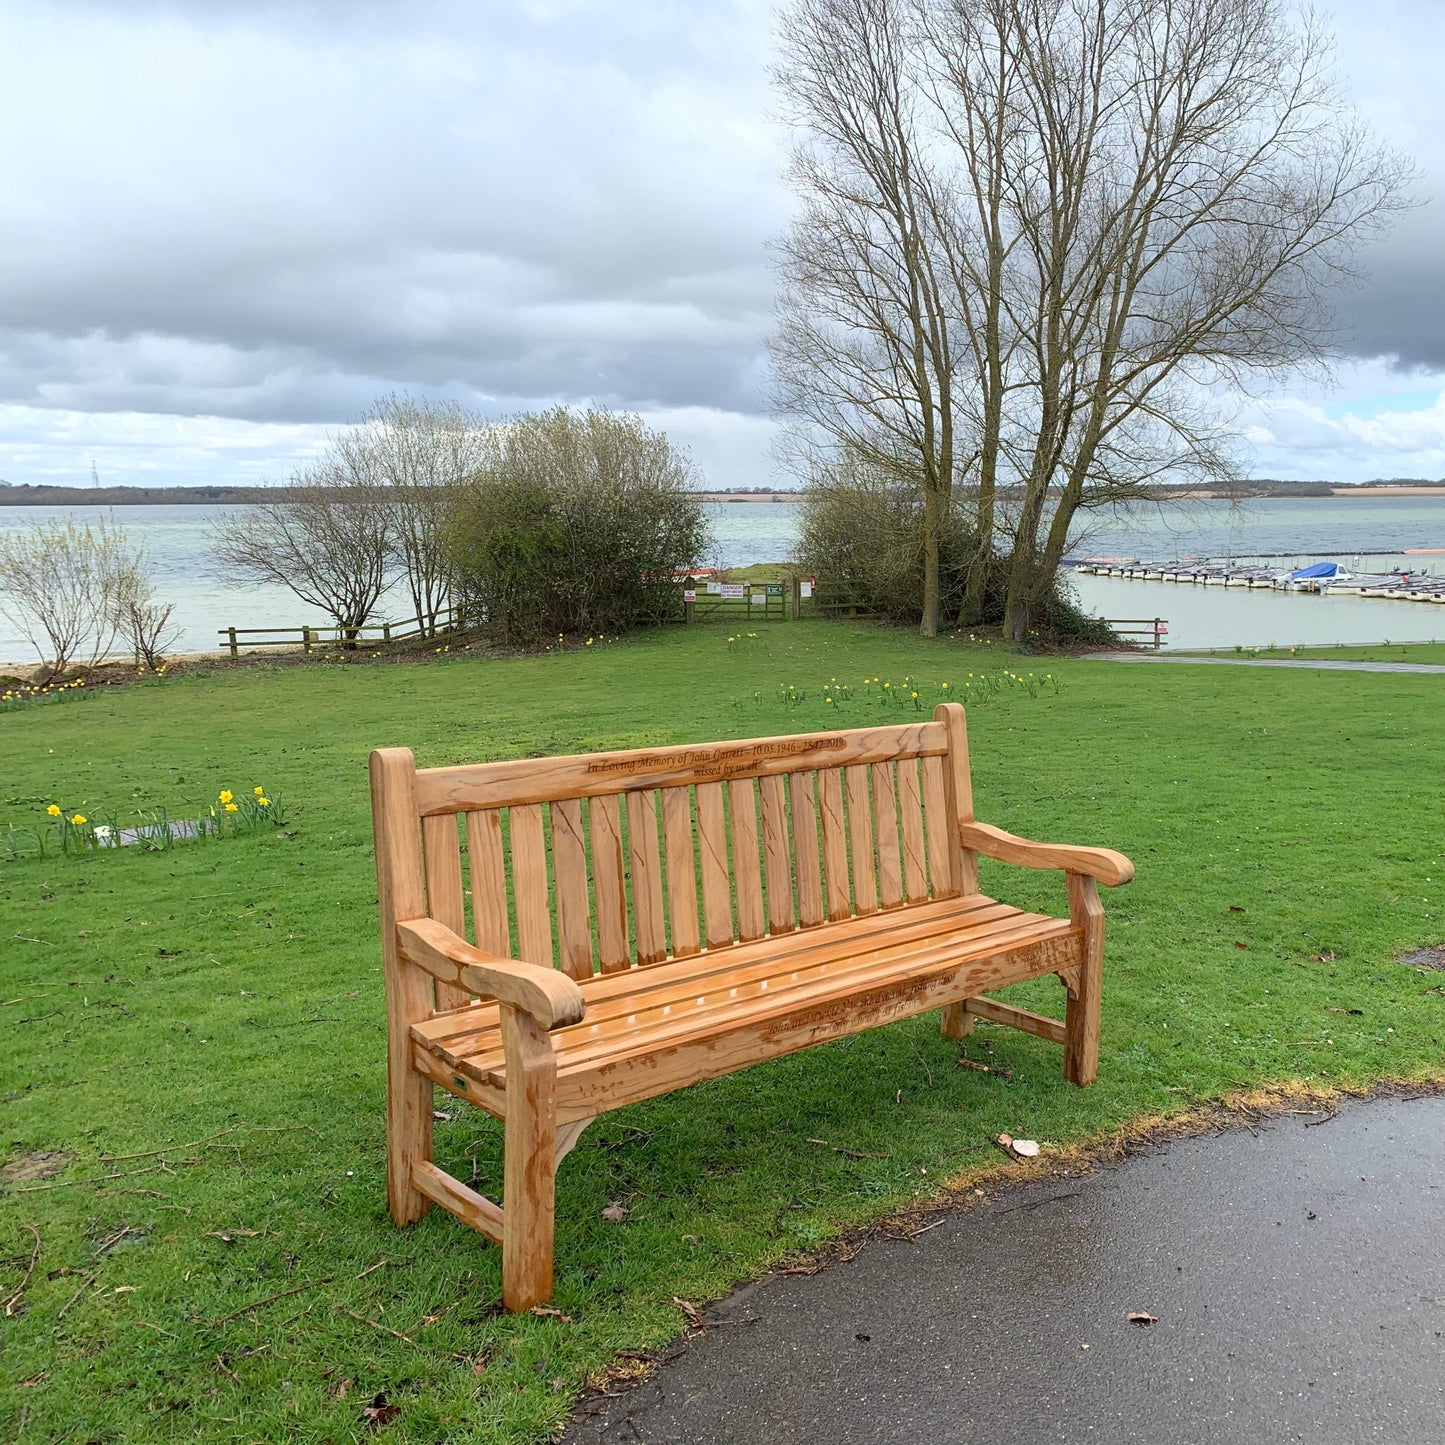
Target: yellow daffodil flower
53 810
78 820
225 795
258 791
230 807
263 802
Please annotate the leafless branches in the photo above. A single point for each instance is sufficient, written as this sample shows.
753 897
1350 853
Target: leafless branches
1080 221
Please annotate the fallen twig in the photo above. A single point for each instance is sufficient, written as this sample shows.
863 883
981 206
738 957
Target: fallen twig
85 1283
210 1138
849 1153
13 1298
89 1179
272 1298
377 1325
109 1244
146 1325
221 1364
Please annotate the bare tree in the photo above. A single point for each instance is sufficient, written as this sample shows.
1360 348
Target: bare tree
862 357
1141 206
59 585
418 453
327 537
140 618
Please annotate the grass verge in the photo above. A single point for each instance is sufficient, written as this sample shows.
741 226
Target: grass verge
194 1082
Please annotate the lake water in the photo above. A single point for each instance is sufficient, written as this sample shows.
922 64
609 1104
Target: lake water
1341 528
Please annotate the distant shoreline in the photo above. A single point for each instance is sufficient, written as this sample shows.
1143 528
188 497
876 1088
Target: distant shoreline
25 495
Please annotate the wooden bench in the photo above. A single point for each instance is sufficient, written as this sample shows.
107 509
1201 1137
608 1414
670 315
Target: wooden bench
642 920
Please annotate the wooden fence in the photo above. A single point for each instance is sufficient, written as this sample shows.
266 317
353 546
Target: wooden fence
331 637
1151 631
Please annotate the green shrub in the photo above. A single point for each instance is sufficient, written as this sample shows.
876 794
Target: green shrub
862 537
576 522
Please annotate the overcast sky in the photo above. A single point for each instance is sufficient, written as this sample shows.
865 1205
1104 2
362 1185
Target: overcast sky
226 227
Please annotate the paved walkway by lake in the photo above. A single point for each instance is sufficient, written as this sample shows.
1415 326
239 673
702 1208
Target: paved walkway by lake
1296 1271
1265 662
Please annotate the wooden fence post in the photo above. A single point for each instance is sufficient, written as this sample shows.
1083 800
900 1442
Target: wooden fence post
386 631
306 639
235 651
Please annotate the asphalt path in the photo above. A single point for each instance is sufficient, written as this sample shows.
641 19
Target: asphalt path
1296 1273
1264 662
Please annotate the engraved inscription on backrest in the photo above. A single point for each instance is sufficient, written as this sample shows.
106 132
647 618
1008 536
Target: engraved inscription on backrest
642 856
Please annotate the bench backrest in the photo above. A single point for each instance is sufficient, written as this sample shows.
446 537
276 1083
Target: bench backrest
606 861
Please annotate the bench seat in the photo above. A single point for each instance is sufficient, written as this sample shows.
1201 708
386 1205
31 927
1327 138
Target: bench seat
706 1015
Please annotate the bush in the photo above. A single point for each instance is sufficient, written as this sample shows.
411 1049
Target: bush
576 522
862 537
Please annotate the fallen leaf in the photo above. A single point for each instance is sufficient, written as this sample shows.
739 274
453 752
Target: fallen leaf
546 1312
1235 908
1238 944
615 1213
442 1115
1026 1148
342 1388
694 1315
1004 1141
1143 1320
379 1413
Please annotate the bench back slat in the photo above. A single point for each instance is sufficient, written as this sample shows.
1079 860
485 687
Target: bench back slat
646 868
609 884
747 859
487 868
681 861
712 837
935 818
603 862
860 841
910 807
778 868
569 864
835 843
807 866
529 885
445 900
885 823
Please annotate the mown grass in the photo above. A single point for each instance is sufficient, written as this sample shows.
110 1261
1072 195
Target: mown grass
215 1011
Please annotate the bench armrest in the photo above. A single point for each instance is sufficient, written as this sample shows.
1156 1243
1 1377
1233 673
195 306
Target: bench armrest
1109 867
550 997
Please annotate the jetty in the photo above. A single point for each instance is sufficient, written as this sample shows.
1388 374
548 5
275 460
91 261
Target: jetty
1326 579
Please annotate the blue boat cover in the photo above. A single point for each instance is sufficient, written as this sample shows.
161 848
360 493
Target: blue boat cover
1320 569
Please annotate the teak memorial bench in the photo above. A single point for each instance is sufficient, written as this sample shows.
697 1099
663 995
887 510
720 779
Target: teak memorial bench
642 920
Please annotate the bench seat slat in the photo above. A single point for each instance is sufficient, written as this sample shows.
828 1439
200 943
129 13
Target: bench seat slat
833 987
619 996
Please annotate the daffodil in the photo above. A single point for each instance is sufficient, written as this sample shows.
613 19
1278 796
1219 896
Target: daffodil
258 791
54 810
225 795
78 820
263 802
230 807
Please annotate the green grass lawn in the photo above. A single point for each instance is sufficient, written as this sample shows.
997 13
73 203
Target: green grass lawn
207 1022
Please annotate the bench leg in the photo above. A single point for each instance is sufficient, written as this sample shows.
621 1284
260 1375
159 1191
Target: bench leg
1081 1021
408 1097
529 1162
957 1021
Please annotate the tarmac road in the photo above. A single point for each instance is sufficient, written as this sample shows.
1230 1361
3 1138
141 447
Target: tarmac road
1297 1274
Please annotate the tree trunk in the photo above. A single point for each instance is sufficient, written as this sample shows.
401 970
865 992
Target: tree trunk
932 510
